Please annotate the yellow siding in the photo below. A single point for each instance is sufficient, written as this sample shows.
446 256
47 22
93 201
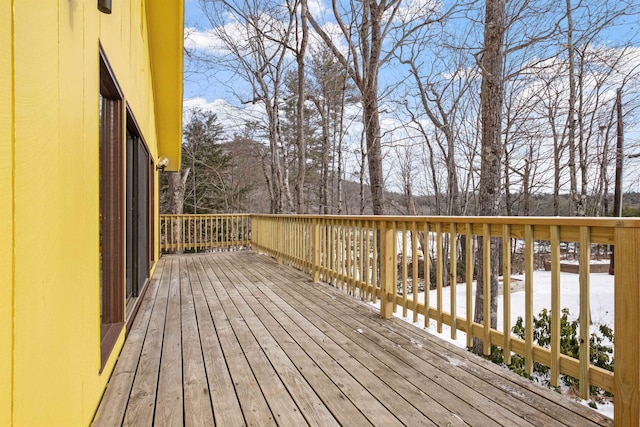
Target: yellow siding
55 268
6 214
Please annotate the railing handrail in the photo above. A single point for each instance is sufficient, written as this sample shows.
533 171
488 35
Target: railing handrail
609 222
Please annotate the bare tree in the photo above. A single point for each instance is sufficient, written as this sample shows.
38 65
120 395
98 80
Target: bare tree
255 43
331 92
373 30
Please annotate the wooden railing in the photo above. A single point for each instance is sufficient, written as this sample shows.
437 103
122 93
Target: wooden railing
204 232
369 258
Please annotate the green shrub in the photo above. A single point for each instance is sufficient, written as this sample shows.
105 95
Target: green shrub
601 348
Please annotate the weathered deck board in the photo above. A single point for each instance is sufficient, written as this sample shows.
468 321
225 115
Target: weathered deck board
226 408
197 402
259 344
169 401
114 401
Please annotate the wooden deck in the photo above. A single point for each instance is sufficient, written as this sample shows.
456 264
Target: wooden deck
234 339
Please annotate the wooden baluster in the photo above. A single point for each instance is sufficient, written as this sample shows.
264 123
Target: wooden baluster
362 285
395 267
426 273
506 292
367 262
453 277
343 261
469 284
375 276
528 298
585 308
315 266
331 244
555 305
439 274
185 224
486 292
350 257
387 267
404 269
414 269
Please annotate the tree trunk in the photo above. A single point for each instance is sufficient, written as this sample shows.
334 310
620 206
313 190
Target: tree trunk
363 159
491 98
571 119
177 188
374 150
300 139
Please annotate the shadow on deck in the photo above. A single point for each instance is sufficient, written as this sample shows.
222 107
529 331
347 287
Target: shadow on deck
234 339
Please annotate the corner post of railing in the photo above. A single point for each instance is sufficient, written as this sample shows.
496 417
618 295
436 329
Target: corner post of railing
315 266
387 269
627 326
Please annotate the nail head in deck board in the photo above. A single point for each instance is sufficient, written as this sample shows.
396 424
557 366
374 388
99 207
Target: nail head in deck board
297 320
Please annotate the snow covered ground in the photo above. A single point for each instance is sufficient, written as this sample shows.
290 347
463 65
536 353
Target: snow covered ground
602 300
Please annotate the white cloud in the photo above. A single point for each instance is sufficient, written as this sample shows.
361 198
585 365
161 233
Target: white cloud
316 7
233 119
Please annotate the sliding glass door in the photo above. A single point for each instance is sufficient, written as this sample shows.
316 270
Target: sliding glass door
138 211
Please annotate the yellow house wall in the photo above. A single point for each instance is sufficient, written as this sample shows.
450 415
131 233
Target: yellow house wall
49 274
6 213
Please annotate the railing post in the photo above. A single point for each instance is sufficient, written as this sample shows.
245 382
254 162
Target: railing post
315 266
627 326
387 269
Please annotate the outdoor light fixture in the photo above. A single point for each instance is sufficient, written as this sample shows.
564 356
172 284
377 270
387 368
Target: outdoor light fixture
162 163
104 6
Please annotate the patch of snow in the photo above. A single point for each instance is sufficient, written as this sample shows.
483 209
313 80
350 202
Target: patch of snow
455 361
416 343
